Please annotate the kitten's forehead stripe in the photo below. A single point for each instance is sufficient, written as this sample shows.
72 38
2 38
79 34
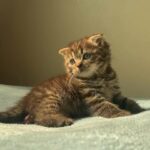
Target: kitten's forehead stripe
81 49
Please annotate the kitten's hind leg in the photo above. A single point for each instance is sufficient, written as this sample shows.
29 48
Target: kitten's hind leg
49 113
127 104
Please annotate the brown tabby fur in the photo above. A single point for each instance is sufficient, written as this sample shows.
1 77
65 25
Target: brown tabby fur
89 88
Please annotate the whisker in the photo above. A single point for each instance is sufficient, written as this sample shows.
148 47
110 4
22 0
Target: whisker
69 82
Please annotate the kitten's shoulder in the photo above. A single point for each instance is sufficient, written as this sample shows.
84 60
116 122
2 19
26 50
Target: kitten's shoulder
57 79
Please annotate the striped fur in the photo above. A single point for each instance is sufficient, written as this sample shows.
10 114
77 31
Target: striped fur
89 88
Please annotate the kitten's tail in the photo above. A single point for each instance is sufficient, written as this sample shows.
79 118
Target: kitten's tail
14 114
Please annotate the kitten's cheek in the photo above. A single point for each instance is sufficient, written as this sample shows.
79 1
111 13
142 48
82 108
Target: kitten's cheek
70 70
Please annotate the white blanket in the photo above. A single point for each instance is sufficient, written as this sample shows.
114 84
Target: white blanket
97 133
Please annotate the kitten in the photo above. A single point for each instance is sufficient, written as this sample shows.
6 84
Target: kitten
89 88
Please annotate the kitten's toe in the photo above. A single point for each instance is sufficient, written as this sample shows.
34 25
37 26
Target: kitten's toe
63 122
28 119
55 121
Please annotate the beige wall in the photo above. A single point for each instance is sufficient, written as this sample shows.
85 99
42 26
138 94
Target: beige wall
33 30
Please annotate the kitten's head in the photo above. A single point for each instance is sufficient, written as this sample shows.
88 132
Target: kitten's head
87 56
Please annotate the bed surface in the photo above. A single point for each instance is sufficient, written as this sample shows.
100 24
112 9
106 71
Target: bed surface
96 133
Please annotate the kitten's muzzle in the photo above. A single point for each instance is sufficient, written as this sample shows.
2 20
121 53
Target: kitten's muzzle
80 65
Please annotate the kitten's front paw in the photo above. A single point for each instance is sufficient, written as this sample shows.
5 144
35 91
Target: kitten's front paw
61 122
55 121
121 114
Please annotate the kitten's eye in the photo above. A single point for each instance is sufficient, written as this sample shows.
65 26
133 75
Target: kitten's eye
72 61
87 55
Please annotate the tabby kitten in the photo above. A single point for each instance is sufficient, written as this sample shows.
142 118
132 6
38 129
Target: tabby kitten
89 88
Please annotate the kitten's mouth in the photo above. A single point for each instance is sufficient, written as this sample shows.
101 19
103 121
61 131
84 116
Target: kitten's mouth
75 74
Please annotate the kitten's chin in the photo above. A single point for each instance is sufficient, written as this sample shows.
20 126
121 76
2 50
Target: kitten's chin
85 74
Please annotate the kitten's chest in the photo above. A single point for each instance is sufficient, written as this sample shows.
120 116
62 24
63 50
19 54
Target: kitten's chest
99 88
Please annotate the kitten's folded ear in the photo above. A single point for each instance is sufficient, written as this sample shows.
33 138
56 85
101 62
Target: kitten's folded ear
98 40
63 51
95 39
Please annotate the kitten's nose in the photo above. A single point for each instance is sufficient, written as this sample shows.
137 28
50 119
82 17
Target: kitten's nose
80 65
